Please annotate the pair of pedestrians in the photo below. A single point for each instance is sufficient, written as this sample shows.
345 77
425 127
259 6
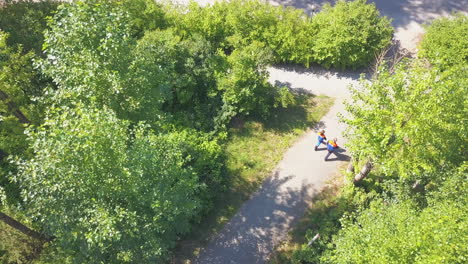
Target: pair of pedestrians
331 144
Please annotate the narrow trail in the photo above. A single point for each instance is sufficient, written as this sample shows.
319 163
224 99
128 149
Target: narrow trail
265 220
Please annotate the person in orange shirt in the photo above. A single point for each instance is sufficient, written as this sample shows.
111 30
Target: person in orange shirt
331 146
321 138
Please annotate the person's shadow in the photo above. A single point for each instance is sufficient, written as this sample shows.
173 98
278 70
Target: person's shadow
339 155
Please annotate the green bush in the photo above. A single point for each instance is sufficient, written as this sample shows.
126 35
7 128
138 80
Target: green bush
190 66
344 36
245 87
22 86
445 43
349 34
401 232
236 24
206 157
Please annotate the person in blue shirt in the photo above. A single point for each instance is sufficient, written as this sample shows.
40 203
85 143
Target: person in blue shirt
331 146
321 138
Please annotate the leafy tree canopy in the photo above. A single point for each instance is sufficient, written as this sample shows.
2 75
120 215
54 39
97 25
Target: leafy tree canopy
410 122
107 192
403 233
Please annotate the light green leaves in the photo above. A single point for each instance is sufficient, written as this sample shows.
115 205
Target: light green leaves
408 122
446 42
349 34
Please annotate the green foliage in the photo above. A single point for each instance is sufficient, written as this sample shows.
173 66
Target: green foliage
205 156
208 22
190 67
19 80
145 15
410 121
20 83
445 43
292 39
245 87
88 50
403 233
344 36
349 34
107 192
25 21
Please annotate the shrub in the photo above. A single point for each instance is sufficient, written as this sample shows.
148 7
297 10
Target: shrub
344 36
445 43
349 34
245 87
145 15
206 157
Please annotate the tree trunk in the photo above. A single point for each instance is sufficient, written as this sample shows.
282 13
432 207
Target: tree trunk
24 229
14 109
317 236
364 172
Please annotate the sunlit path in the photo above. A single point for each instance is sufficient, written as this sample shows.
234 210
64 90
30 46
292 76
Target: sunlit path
266 218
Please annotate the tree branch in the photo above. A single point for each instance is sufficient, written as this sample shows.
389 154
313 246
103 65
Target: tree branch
14 109
24 229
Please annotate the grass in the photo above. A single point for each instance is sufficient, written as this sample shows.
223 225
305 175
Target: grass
254 148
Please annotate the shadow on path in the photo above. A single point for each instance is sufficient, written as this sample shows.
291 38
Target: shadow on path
269 214
402 12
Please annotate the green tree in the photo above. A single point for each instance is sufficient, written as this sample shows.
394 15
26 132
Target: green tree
90 56
20 89
190 67
145 15
108 194
401 232
409 122
245 86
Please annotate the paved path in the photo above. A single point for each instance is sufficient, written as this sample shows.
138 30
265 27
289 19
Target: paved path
264 221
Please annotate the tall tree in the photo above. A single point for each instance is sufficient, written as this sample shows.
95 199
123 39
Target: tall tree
393 231
108 194
410 122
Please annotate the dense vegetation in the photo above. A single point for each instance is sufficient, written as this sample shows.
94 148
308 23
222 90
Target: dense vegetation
346 35
115 114
409 122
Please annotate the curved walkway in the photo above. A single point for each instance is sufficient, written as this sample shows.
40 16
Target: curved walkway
264 221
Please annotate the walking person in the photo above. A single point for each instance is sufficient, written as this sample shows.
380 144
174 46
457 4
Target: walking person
321 138
331 146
